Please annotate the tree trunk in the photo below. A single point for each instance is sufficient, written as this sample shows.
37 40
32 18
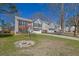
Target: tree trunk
62 18
78 26
75 30
75 21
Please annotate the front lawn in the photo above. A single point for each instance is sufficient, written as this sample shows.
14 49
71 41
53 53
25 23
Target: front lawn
44 45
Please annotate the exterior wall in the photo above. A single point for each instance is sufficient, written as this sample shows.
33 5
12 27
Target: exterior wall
37 26
72 29
37 31
51 28
57 28
45 26
69 29
66 29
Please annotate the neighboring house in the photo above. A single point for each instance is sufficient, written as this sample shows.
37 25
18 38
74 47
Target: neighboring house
45 27
72 29
69 29
37 26
51 28
57 28
40 26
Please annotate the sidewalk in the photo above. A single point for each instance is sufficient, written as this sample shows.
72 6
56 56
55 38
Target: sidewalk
62 36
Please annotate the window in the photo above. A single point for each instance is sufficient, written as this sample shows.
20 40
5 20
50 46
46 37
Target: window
37 25
51 29
20 23
36 29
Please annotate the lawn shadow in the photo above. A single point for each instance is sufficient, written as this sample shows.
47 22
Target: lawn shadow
5 35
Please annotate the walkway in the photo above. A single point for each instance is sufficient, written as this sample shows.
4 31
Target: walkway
61 36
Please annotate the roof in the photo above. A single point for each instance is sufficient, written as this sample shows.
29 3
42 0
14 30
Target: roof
40 20
23 19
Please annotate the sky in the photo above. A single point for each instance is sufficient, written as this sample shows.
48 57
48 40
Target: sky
27 10
53 12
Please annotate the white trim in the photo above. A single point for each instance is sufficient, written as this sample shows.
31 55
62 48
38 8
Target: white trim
20 18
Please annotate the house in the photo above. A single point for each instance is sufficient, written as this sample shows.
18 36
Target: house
51 28
40 26
45 27
69 29
37 26
22 25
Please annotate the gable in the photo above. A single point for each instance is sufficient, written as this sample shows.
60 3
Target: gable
38 21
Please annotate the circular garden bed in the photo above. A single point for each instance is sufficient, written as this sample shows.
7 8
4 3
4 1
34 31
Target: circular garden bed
24 43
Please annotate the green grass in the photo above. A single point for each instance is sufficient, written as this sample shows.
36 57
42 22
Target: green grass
7 43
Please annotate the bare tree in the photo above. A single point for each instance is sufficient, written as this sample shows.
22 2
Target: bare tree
10 10
75 21
62 18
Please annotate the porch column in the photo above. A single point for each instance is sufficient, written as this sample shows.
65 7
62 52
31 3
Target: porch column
16 25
